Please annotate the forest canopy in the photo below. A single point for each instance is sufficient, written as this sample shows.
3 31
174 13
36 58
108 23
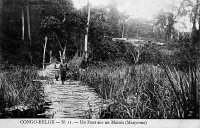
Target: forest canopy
25 23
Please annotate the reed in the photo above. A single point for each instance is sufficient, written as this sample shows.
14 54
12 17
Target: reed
18 91
141 91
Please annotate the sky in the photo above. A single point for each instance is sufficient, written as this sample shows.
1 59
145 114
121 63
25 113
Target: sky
135 8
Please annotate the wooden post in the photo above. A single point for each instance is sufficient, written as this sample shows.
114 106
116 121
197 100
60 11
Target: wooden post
87 29
45 45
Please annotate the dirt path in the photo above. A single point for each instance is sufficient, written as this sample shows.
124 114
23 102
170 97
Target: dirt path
71 100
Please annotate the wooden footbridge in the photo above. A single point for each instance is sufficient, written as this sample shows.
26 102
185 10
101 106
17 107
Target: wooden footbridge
71 100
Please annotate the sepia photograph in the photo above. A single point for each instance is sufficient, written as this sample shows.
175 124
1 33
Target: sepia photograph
100 59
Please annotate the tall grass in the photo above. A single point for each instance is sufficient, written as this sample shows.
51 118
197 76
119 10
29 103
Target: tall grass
141 91
18 91
74 65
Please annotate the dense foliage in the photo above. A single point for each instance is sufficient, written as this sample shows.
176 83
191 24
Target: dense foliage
60 22
64 25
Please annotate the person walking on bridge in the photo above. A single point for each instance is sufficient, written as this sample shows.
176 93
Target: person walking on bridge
57 66
63 69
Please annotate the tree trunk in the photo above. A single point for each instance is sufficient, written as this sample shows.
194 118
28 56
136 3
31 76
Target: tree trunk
193 65
28 23
58 41
51 57
64 51
62 55
199 25
1 5
195 14
86 35
194 35
22 24
123 29
178 34
45 45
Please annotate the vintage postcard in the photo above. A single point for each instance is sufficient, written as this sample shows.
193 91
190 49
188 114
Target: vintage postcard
102 63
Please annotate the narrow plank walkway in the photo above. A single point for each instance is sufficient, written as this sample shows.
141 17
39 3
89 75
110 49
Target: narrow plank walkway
71 100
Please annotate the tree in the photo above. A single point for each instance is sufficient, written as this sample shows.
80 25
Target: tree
1 59
167 18
191 7
65 26
166 21
139 28
113 20
194 62
21 21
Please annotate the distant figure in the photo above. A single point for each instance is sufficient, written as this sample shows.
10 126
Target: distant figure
57 66
63 70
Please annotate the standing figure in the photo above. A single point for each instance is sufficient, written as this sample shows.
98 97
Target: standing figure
57 66
63 70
